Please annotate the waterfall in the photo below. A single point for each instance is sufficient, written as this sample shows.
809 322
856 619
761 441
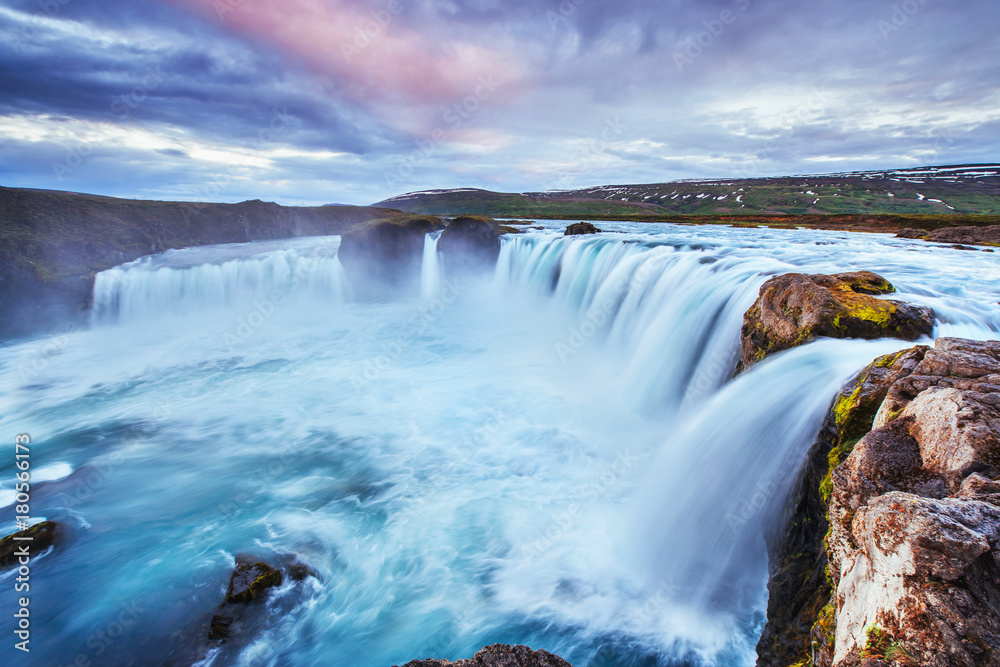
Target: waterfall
210 278
431 279
677 309
561 457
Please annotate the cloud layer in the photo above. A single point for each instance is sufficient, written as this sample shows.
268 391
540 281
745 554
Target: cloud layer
318 101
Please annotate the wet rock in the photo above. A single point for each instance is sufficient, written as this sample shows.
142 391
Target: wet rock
499 655
251 581
579 228
796 308
39 538
219 627
383 257
470 244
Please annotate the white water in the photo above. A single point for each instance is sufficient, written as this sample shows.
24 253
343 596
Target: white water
431 278
557 458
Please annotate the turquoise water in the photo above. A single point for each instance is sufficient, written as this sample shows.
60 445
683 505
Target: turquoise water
553 455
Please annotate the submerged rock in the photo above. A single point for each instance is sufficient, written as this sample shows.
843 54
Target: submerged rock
470 244
797 308
383 257
579 228
38 538
499 655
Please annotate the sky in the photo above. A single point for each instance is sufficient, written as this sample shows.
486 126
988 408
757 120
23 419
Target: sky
354 101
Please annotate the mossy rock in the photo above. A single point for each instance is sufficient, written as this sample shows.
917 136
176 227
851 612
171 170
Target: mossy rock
250 581
41 535
581 228
796 308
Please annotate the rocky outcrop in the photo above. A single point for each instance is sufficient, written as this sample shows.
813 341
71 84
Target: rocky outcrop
37 538
499 655
470 244
914 517
799 586
580 228
383 257
796 308
984 235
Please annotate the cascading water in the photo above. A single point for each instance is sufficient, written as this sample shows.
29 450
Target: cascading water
218 277
560 459
431 280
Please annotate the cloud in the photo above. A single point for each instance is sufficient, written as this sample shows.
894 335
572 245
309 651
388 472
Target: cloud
176 98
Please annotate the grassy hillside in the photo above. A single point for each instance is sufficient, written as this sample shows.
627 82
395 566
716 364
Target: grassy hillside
938 191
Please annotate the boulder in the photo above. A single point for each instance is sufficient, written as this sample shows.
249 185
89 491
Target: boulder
499 655
909 233
382 258
470 244
250 581
796 308
38 538
578 228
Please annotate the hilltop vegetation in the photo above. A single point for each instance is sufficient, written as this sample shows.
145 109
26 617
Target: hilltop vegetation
935 191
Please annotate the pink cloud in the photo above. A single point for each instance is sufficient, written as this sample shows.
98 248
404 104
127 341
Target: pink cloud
406 76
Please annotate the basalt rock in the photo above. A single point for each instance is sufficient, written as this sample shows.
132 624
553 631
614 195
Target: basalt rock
37 538
796 308
383 257
579 228
470 244
499 655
